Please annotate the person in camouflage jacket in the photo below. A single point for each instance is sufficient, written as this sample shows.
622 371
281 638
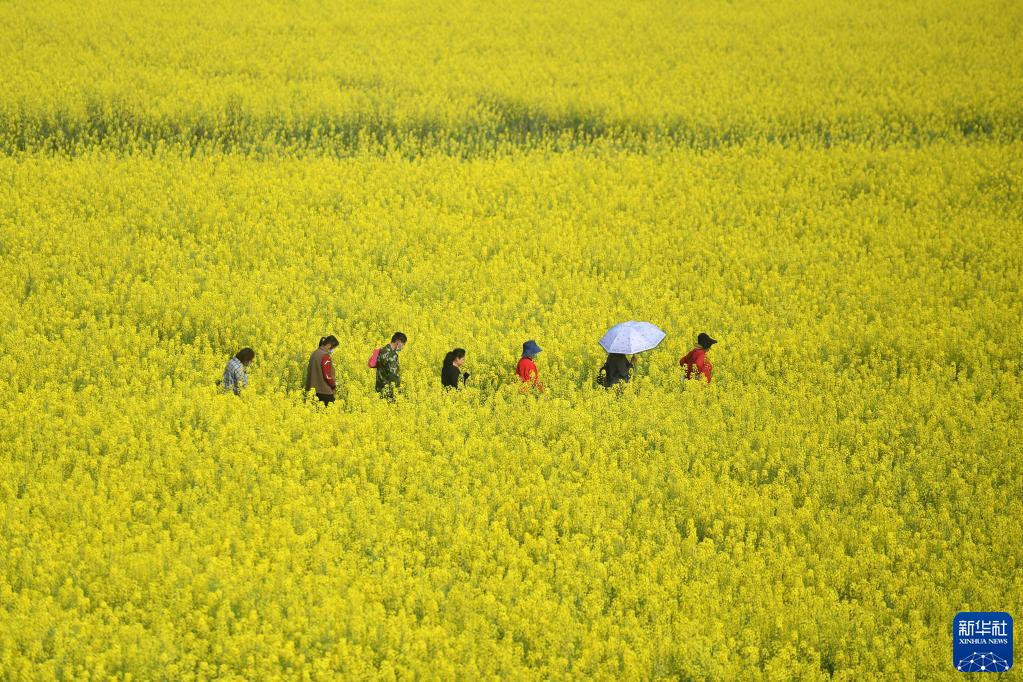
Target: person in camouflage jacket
388 367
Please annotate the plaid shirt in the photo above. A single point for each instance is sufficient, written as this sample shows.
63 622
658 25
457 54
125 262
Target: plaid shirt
235 378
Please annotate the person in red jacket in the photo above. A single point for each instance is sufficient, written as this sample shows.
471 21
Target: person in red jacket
526 369
697 357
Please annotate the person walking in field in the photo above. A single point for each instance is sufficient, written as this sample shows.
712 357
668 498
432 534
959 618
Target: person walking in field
388 368
450 372
236 377
526 369
623 339
616 369
319 374
696 359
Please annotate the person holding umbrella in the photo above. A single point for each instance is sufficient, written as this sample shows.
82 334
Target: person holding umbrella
617 368
526 369
697 357
626 338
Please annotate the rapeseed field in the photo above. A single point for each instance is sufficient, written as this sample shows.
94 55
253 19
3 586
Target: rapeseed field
834 192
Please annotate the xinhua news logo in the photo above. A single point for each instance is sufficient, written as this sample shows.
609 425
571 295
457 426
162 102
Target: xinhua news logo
982 641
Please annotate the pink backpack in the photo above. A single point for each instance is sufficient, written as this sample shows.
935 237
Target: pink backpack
373 358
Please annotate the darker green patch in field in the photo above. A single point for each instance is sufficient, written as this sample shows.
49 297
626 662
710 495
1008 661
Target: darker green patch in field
499 125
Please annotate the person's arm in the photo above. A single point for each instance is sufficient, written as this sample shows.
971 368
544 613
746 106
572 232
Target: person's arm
688 362
327 367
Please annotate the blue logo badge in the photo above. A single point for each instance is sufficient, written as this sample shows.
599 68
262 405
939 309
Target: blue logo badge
982 641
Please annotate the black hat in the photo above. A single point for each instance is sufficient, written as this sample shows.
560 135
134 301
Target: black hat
705 341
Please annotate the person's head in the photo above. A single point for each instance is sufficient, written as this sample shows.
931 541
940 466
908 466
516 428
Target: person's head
455 357
329 343
246 356
530 349
398 340
704 341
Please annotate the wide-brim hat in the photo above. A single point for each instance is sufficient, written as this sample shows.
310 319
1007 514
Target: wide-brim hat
529 349
705 341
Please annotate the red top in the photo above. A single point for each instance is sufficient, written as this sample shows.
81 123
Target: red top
697 358
328 370
526 370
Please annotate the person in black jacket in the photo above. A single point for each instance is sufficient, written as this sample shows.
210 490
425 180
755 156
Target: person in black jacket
450 372
617 368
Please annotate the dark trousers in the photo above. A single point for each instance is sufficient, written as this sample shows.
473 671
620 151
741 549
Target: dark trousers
325 398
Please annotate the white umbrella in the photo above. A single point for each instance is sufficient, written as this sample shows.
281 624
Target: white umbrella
631 337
